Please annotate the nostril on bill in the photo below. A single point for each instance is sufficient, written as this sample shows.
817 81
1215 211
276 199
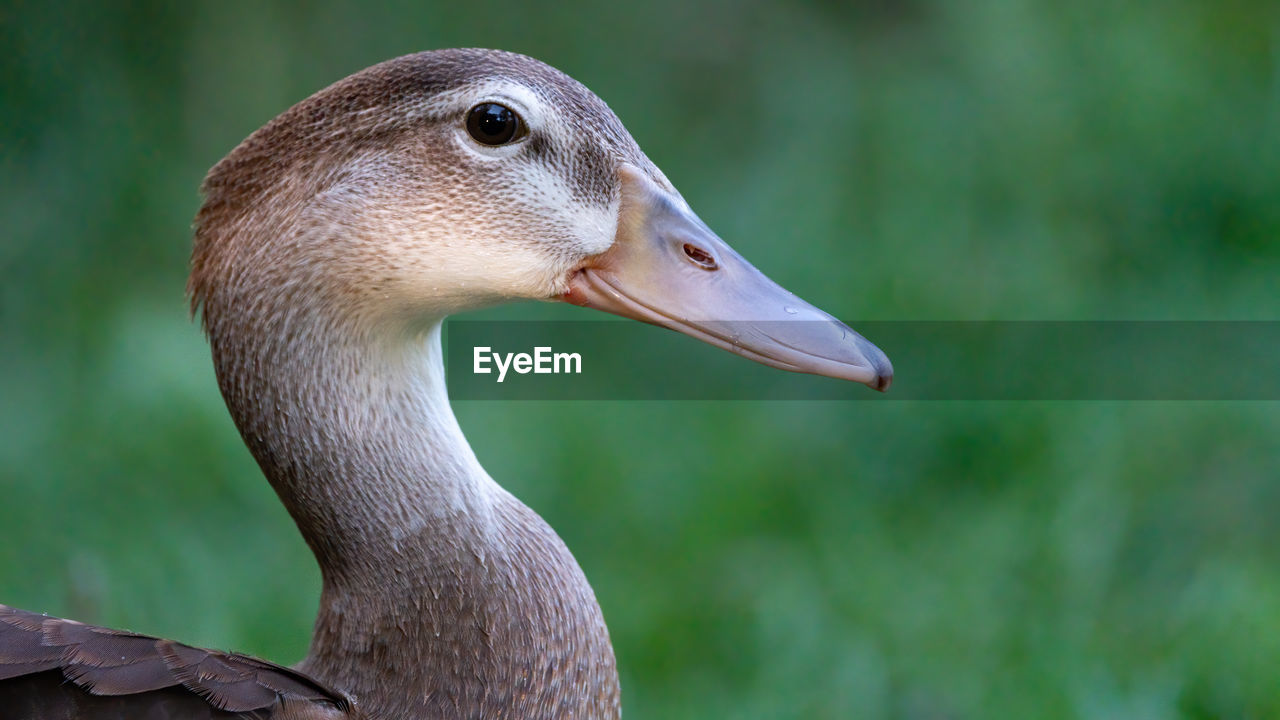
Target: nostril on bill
700 257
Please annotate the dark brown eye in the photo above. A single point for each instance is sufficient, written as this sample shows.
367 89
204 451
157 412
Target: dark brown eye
494 124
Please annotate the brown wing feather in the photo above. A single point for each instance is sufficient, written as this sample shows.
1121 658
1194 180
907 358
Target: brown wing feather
55 668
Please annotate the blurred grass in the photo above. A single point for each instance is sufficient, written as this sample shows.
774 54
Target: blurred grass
887 160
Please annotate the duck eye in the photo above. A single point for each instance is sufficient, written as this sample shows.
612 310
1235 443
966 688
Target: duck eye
494 124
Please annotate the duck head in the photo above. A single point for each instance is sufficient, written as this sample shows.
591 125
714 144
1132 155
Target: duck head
451 180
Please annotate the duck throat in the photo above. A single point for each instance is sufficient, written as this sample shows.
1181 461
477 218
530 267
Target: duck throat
443 595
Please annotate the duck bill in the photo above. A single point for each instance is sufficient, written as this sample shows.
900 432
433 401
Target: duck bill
666 267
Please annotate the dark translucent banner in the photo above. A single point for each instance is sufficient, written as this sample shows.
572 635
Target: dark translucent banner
621 360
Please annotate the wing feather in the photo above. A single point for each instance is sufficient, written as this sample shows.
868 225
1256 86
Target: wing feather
51 667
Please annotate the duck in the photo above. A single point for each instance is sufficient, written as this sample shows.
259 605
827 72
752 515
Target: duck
331 245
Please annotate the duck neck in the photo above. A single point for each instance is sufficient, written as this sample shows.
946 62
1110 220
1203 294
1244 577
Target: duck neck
443 596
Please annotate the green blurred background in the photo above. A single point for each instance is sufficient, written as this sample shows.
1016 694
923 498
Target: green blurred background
995 159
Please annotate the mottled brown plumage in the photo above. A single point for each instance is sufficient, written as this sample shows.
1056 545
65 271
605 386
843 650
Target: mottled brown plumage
443 595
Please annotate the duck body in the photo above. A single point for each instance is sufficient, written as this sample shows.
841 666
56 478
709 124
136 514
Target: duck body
331 245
